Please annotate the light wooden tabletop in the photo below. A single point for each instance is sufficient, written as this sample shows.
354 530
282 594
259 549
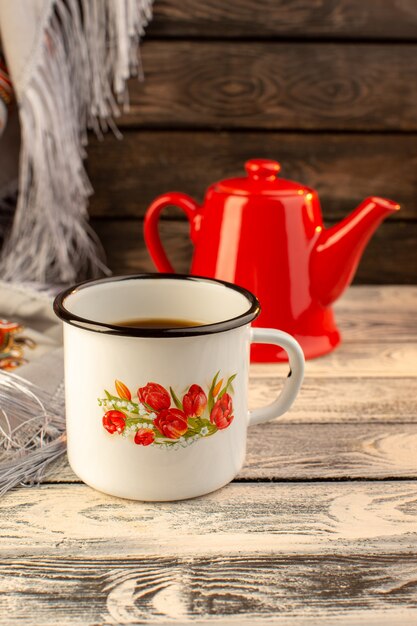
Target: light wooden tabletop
320 527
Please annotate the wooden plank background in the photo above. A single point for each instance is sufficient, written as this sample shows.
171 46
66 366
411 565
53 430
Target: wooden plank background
318 19
328 88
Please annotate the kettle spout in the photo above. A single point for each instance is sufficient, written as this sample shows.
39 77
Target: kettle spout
338 249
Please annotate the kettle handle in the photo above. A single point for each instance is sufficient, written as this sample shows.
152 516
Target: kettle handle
150 227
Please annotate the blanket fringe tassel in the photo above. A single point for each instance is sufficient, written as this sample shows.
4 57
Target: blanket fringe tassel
89 50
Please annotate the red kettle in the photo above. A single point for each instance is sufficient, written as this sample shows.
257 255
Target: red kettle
266 234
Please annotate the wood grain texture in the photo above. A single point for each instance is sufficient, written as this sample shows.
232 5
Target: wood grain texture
323 451
344 168
285 450
271 518
367 313
300 550
125 247
331 19
391 255
352 399
355 360
320 86
232 590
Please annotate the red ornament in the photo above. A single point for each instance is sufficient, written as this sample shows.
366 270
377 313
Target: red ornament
266 234
114 421
144 437
194 401
222 413
155 396
171 423
6 88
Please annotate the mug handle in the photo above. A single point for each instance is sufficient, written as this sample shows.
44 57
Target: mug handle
150 227
294 378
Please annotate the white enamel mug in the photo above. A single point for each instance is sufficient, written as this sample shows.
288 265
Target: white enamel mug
161 414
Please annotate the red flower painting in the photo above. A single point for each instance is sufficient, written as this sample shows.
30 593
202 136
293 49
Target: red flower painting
222 413
114 421
158 417
154 396
172 423
144 437
194 401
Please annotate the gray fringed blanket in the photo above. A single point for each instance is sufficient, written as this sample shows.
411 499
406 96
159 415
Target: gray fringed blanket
32 424
69 61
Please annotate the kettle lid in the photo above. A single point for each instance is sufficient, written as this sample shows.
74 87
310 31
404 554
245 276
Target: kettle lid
262 178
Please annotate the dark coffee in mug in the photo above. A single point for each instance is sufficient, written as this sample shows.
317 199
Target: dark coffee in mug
156 322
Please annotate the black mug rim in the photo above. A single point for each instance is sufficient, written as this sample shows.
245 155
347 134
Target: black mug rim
132 331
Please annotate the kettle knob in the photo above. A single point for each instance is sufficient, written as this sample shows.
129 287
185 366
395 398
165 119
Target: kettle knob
262 169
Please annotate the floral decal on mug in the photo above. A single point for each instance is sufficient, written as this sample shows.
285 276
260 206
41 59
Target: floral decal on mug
150 419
